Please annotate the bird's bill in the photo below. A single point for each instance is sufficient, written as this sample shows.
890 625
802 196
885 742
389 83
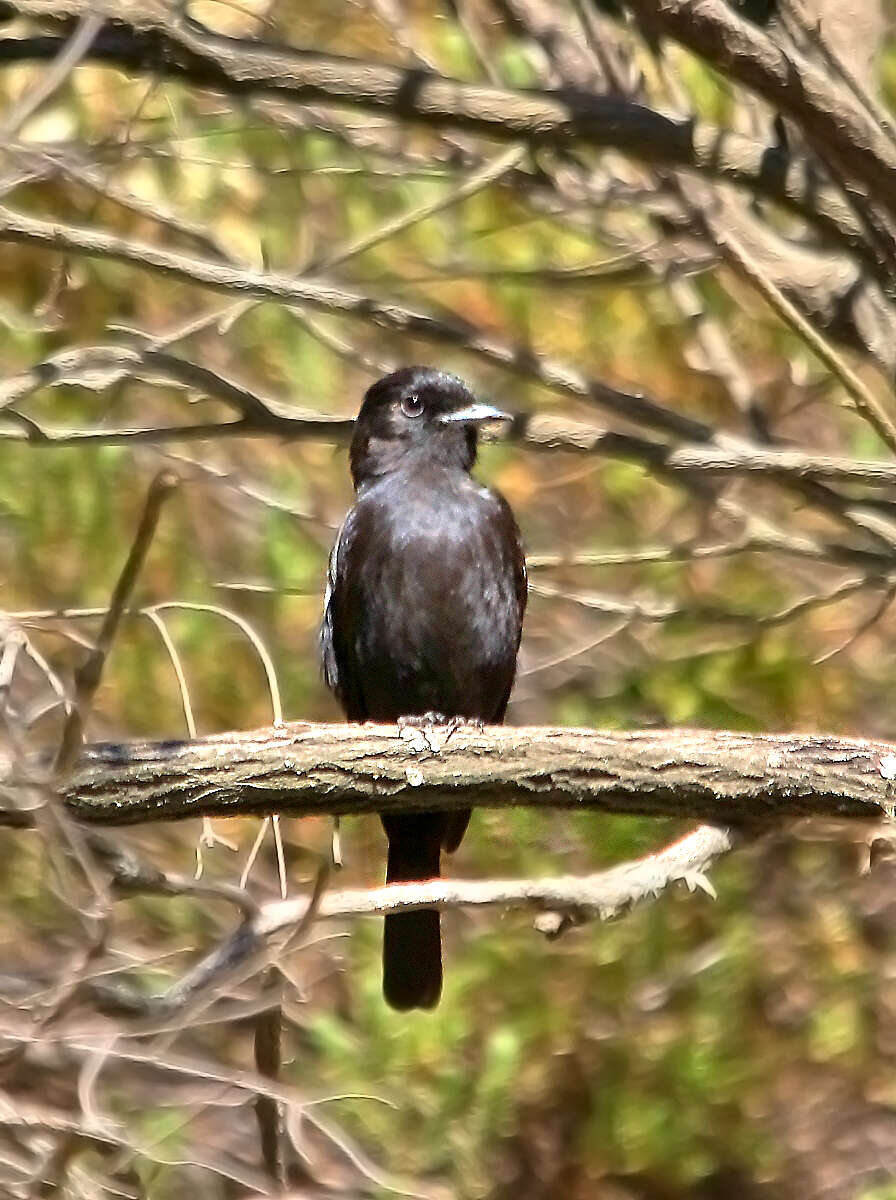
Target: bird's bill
474 413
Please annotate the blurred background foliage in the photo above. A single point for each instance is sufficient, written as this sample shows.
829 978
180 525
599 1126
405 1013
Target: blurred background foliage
700 1049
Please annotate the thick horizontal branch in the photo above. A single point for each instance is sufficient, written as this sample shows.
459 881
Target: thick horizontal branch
304 769
151 38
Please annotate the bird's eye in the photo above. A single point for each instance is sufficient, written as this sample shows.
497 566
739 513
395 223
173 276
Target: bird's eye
412 405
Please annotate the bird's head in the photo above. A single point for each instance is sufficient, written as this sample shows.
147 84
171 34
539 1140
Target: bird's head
414 416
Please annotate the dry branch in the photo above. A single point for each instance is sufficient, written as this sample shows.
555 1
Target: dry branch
150 38
825 110
561 903
304 769
331 298
99 367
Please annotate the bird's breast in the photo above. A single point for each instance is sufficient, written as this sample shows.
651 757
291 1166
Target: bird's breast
435 619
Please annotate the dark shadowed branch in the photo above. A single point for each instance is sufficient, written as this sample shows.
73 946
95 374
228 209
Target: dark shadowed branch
99 367
152 38
828 115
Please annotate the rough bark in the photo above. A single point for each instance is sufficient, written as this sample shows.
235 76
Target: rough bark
303 769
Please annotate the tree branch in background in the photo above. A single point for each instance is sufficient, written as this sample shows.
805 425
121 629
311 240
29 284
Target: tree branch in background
331 298
825 111
70 54
178 47
258 416
561 903
96 368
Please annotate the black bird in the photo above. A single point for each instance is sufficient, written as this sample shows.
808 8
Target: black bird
426 591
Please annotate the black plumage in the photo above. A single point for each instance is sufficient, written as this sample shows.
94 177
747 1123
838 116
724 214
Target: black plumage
424 609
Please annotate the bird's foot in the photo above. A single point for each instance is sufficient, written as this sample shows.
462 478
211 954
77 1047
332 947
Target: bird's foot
432 730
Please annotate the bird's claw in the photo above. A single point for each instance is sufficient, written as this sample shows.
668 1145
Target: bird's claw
422 720
433 730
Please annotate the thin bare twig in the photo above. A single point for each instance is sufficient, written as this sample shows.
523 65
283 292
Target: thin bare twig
70 54
493 170
88 675
268 1058
864 399
13 643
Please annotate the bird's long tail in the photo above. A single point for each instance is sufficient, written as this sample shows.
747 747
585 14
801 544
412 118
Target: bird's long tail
412 941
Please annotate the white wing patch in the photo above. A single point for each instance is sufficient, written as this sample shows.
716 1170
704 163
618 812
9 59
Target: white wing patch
327 650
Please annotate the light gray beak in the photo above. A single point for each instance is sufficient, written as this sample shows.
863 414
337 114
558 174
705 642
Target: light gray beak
474 413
